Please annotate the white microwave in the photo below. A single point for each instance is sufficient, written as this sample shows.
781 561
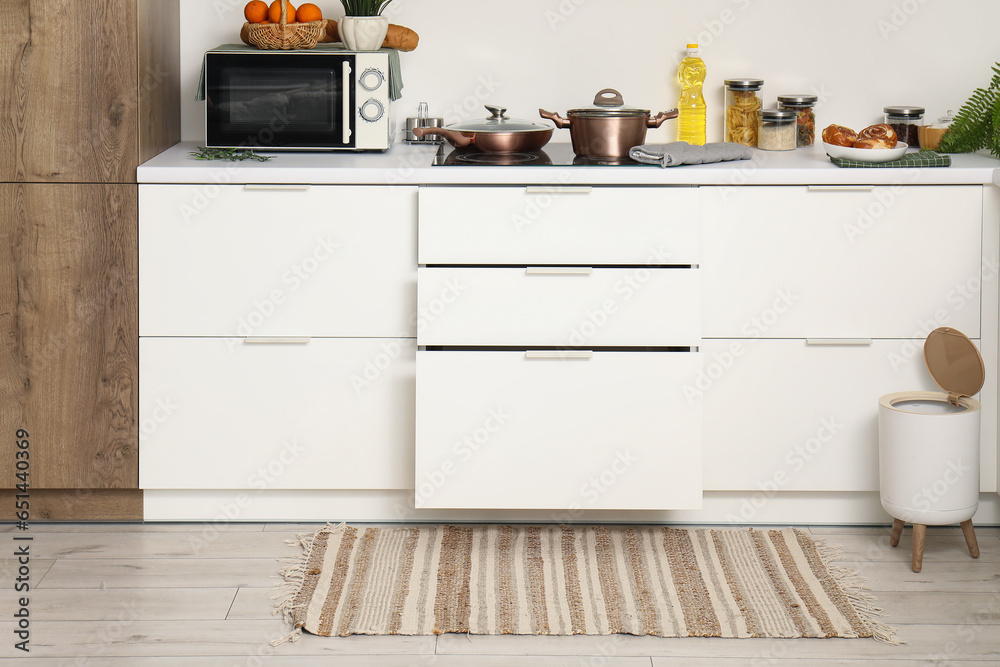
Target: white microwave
322 99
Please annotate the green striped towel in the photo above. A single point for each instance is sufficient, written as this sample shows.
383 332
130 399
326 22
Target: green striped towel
917 159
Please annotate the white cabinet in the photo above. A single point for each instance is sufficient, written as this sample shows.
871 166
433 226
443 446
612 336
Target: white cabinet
557 430
797 262
553 355
817 302
326 413
277 261
277 330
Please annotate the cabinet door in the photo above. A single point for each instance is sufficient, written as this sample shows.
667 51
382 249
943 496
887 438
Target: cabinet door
794 262
787 416
559 306
536 430
277 261
220 413
70 103
68 315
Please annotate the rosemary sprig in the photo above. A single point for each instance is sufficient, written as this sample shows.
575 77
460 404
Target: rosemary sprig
230 154
364 7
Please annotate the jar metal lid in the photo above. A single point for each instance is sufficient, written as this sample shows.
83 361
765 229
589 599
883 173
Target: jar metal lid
778 114
907 112
798 100
744 84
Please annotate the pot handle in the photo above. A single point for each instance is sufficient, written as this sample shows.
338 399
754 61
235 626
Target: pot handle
657 120
560 122
456 139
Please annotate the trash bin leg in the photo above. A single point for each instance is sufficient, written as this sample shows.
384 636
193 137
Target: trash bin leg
897 531
919 533
970 538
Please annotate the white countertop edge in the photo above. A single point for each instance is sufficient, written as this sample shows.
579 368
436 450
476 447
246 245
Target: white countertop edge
405 164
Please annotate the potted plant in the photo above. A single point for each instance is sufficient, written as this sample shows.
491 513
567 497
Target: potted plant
363 27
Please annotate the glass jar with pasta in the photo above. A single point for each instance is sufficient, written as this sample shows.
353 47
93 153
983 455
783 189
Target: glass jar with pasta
743 103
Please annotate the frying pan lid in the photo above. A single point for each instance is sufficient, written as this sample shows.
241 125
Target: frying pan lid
498 122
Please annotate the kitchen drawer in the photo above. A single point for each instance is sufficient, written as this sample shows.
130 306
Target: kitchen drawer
501 429
553 306
559 225
781 415
273 261
219 413
794 262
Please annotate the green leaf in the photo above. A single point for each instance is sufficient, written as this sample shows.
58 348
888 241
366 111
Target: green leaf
230 154
977 123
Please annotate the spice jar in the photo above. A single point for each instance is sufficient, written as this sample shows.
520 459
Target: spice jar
905 120
777 130
743 104
802 105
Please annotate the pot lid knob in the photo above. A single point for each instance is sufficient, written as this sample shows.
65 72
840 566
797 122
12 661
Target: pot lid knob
609 97
496 113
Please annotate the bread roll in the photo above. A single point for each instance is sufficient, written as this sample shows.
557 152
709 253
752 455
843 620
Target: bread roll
396 37
884 134
873 142
838 135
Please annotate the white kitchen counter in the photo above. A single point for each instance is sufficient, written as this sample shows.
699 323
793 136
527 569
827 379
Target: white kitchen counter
405 164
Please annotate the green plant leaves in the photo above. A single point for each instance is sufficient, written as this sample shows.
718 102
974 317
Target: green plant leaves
364 7
977 123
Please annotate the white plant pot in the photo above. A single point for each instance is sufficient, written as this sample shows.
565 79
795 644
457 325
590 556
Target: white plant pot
363 33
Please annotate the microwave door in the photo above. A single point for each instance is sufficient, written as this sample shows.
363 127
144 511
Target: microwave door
281 101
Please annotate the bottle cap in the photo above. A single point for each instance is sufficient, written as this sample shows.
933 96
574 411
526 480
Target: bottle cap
692 46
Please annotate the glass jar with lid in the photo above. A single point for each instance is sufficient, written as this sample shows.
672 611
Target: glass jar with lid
777 130
802 105
905 121
743 104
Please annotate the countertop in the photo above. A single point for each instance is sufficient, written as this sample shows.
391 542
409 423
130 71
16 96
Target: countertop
407 164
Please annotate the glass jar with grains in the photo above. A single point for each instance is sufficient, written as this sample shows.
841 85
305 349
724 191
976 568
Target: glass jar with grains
806 121
777 130
906 121
743 104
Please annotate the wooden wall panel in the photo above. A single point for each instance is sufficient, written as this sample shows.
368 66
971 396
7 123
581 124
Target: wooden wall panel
69 322
159 76
68 96
80 504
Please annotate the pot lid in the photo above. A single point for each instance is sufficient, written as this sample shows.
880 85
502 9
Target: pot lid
954 362
498 122
609 104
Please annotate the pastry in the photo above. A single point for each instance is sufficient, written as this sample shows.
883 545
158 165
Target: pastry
838 135
873 142
883 133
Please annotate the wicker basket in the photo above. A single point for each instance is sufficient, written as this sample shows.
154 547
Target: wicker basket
285 35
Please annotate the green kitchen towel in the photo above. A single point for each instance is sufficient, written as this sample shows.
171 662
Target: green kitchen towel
395 73
917 159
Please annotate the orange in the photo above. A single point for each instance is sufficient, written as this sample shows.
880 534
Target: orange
255 11
274 13
308 12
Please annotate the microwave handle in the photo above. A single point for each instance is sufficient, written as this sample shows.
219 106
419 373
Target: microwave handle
346 92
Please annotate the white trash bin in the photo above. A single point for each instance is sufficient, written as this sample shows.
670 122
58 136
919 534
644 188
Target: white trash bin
929 445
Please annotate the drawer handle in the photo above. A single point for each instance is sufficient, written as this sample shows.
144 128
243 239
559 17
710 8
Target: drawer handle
277 340
559 190
558 354
841 188
559 271
858 342
276 187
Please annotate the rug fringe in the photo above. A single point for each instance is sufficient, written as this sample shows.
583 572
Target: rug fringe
292 578
858 593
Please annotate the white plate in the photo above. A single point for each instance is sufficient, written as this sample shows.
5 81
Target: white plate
866 154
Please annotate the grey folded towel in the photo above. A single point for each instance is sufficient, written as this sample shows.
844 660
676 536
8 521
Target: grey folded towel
681 152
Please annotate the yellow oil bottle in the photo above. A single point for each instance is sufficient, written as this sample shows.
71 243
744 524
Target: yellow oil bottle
691 106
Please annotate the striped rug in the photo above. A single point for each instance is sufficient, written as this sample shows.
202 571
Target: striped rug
569 580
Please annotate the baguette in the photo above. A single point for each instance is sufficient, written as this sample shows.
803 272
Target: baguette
397 37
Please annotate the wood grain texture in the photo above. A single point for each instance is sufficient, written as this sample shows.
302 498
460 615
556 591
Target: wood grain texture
69 321
80 504
159 76
68 96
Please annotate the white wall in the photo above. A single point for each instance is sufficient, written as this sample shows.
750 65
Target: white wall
858 55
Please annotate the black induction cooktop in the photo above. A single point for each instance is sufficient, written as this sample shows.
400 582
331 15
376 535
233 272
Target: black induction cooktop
552 155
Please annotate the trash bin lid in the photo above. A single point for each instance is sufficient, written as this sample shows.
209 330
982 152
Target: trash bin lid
954 362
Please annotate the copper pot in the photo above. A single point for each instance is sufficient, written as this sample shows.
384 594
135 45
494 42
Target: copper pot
609 128
496 134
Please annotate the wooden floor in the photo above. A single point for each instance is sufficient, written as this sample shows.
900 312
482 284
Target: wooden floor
195 595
